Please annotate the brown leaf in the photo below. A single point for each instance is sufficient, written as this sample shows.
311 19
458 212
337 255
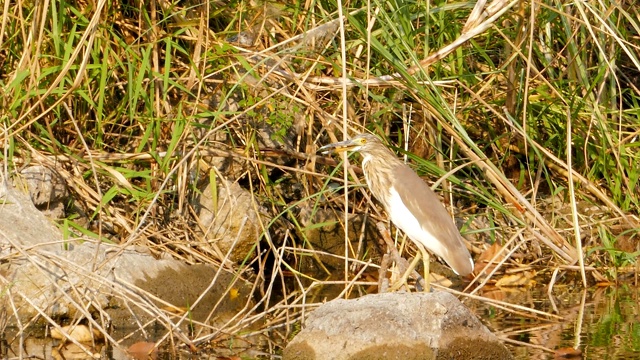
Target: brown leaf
175 310
493 293
439 280
567 353
484 259
143 350
523 279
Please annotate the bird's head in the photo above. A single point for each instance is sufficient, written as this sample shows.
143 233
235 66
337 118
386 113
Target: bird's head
363 143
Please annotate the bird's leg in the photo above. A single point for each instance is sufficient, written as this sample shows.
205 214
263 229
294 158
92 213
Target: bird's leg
427 274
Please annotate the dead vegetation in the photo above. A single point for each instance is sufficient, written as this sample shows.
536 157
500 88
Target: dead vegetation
525 112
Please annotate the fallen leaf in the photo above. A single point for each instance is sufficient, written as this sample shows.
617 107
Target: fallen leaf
522 279
143 350
493 293
567 353
175 310
483 260
440 280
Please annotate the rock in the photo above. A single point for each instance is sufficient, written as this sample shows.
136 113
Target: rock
220 156
230 220
46 188
279 133
317 38
41 273
22 225
395 326
243 38
81 333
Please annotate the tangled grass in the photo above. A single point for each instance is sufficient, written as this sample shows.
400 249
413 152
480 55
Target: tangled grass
528 112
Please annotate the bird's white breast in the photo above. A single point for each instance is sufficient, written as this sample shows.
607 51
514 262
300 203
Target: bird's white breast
407 222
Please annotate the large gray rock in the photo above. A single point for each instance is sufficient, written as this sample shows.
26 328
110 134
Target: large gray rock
22 225
41 273
395 326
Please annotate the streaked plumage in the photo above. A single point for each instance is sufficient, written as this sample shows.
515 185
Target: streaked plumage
412 206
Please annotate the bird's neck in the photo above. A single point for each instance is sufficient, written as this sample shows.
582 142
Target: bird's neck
378 172
377 162
365 159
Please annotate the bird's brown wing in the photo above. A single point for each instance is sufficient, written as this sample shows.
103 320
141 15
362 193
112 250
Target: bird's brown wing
421 201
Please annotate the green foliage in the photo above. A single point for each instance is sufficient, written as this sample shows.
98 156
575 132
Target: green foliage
129 108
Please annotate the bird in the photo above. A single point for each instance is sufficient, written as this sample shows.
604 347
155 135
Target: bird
410 203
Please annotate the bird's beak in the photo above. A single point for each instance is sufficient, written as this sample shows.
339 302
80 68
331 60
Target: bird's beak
338 147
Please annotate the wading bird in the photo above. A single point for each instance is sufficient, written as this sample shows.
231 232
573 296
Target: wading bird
412 206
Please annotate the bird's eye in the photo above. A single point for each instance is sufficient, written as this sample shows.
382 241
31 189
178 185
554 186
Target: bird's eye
363 141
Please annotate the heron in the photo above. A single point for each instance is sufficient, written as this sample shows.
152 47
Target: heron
411 205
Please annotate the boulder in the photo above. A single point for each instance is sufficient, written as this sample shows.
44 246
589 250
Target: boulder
395 326
41 273
47 189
